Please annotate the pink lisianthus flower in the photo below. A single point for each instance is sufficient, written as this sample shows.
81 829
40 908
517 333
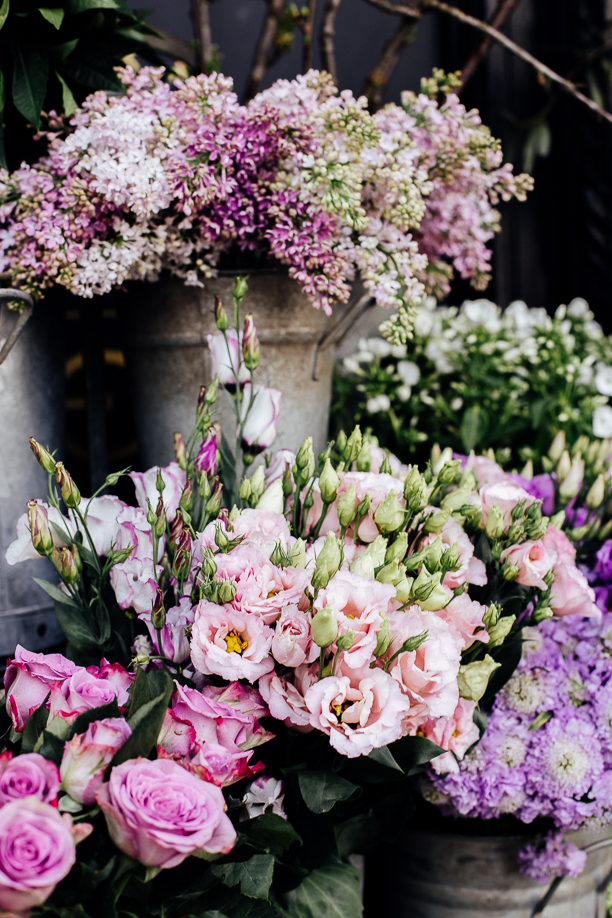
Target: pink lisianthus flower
427 675
145 486
174 641
486 471
292 643
359 710
259 422
102 520
471 569
225 717
134 580
83 691
28 775
505 495
226 358
358 605
284 695
555 541
207 459
21 549
532 560
264 795
378 456
87 755
261 529
159 813
29 678
455 733
229 643
465 618
571 593
376 486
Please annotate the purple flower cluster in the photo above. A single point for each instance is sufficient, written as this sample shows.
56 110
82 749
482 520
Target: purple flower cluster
170 176
547 749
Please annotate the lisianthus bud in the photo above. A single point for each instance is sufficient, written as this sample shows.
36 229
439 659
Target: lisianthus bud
364 459
450 558
324 627
329 483
150 514
495 525
353 447
541 613
363 506
510 572
70 492
251 351
383 639
176 528
347 511
66 564
449 472
571 484
160 518
258 484
288 482
222 540
432 555
305 461
580 446
226 591
240 288
556 447
595 496
436 522
385 466
454 500
182 556
207 460
209 566
180 451
346 640
158 612
389 515
390 573
403 590
473 678
439 459
564 465
186 501
500 630
160 484
216 496
341 442
272 498
328 561
221 317
44 458
42 540
296 556
398 548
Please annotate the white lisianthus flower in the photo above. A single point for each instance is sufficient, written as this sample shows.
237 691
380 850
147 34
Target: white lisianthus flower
378 403
602 421
408 372
603 379
403 393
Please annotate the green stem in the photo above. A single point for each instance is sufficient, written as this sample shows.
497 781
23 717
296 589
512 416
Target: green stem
83 520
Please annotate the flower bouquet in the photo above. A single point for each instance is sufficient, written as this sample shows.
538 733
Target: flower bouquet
249 683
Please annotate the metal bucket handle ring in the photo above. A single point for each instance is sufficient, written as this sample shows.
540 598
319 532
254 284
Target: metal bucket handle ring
8 293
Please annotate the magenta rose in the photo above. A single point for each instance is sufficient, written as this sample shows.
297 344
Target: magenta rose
83 691
226 717
28 680
37 850
87 755
159 813
28 775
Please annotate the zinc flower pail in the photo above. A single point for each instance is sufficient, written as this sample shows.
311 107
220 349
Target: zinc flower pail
31 405
166 324
443 875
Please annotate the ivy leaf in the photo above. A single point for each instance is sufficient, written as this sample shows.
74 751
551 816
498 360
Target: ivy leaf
332 891
322 789
254 875
30 71
54 15
271 832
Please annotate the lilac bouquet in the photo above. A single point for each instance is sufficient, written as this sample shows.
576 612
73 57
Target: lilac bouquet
173 176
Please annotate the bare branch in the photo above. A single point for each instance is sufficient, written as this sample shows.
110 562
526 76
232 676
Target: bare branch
201 26
500 38
172 46
377 79
265 48
387 7
501 14
328 34
307 32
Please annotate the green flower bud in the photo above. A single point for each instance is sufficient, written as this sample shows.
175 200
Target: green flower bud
346 640
398 548
557 447
450 558
510 572
596 494
495 525
329 483
364 459
296 556
65 561
180 451
278 556
389 515
432 555
492 616
454 500
288 483
305 461
43 457
272 498
226 591
437 599
42 540
449 472
222 540
341 442
571 484
328 561
240 288
385 467
383 639
541 614
258 484
324 627
558 519
500 631
209 566
440 458
347 511
221 317
186 501
424 584
403 590
390 573
363 506
251 350
160 484
564 465
353 447
158 611
70 492
473 678
437 522
245 489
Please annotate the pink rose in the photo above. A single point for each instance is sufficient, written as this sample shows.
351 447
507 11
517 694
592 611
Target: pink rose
159 813
360 710
456 733
28 775
226 716
505 495
37 850
229 643
292 642
533 562
28 680
571 593
87 755
259 422
284 695
358 605
226 358
427 675
176 736
83 691
145 486
465 618
175 643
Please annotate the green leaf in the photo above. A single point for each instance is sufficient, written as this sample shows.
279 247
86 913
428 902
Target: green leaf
54 15
61 52
227 471
472 427
271 832
146 724
253 908
331 891
541 719
30 71
384 757
35 726
254 875
55 593
82 722
412 751
51 748
91 71
322 789
140 693
4 12
81 6
71 621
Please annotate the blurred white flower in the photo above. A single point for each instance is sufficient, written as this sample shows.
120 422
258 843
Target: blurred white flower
424 322
403 393
579 309
352 365
408 372
603 379
593 330
482 312
456 404
437 355
602 421
377 346
398 351
378 403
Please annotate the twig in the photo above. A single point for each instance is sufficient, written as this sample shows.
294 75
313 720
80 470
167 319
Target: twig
387 7
328 34
201 26
501 39
377 79
173 46
307 32
265 47
501 14
591 57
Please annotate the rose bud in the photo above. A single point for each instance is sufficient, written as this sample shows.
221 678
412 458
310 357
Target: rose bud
87 755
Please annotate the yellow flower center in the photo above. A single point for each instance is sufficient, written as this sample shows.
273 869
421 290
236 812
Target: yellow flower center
339 709
271 594
235 642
